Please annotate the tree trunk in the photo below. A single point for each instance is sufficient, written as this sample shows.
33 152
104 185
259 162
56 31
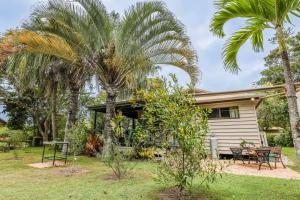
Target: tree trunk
54 111
45 133
108 131
290 89
72 114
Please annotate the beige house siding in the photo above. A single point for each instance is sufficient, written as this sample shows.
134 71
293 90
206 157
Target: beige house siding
231 132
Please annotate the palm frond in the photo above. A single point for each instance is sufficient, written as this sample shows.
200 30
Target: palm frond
262 10
42 44
149 30
253 31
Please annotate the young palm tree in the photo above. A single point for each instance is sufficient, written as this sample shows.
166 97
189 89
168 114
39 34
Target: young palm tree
260 15
83 32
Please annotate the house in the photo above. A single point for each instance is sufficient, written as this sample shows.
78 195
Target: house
233 118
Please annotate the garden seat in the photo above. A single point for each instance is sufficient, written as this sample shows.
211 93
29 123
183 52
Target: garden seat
276 154
251 153
263 156
237 154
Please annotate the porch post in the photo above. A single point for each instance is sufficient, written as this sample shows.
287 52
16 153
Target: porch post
133 124
214 147
95 121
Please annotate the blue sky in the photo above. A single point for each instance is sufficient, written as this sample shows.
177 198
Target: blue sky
196 15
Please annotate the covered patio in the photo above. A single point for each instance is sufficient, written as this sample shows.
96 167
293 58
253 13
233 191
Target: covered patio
129 109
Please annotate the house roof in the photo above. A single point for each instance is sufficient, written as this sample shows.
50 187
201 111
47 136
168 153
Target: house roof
254 94
202 97
127 108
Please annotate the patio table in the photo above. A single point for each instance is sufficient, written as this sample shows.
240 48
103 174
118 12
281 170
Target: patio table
54 157
263 156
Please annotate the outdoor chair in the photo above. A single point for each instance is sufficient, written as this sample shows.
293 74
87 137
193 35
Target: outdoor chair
276 154
251 153
237 154
263 157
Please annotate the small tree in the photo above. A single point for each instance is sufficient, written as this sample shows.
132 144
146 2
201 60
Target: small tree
172 115
78 137
16 139
117 158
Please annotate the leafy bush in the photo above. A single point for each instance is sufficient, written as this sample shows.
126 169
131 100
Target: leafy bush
171 117
117 161
146 153
78 137
94 145
284 139
4 132
245 144
118 156
271 140
16 138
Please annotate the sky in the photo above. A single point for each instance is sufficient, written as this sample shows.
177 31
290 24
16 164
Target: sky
196 16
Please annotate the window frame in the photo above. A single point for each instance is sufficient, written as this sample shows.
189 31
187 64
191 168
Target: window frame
220 116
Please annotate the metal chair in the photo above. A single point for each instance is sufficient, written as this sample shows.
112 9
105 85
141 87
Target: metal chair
276 154
251 153
237 154
263 157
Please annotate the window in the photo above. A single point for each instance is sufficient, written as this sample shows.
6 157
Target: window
224 113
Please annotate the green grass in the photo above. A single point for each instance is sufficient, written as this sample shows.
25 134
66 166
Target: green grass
291 154
19 181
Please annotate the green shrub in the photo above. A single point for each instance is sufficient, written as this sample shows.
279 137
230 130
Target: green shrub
171 117
146 153
78 137
16 138
4 132
284 139
117 161
271 140
118 156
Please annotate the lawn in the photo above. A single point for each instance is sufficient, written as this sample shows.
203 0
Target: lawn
19 181
291 154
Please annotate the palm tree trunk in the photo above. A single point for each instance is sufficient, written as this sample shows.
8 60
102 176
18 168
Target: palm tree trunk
108 131
72 114
290 89
54 111
46 129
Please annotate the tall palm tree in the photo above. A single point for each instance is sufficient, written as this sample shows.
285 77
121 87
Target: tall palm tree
260 15
28 71
76 77
83 32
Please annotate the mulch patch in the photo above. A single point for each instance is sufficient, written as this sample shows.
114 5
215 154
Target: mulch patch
174 194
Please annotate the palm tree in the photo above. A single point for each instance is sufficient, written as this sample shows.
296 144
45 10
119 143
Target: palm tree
76 77
83 32
260 15
30 71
